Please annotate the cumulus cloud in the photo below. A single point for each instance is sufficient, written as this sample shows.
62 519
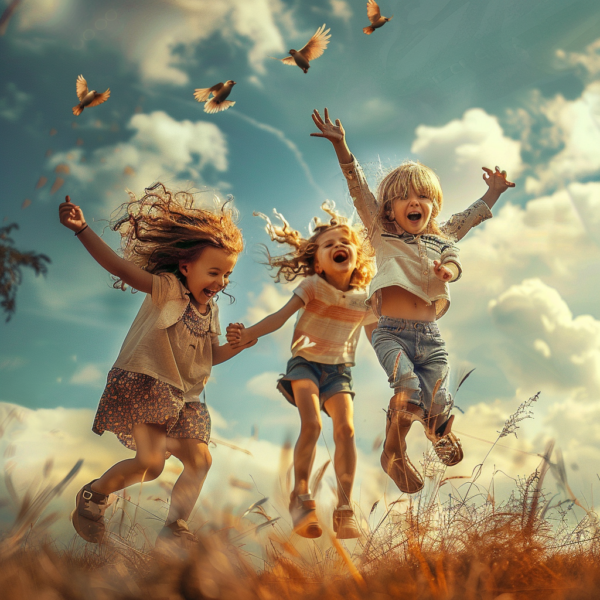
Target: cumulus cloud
163 44
576 125
160 148
545 345
548 236
589 60
458 150
341 9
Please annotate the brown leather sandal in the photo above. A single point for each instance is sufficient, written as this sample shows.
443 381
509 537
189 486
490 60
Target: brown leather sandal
88 516
304 516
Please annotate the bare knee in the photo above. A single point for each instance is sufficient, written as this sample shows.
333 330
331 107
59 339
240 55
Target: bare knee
198 460
311 429
343 432
150 465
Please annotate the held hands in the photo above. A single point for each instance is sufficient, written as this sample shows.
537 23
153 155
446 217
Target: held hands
441 272
329 131
71 215
496 180
237 336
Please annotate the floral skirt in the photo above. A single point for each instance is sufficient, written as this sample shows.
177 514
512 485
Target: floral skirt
133 398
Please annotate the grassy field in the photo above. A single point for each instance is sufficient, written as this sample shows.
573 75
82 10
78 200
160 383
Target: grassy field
454 540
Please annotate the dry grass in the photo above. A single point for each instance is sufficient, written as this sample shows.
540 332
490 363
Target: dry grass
449 542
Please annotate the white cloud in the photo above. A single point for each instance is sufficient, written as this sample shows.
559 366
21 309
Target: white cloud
458 150
89 375
548 236
269 300
161 148
14 102
576 126
162 44
545 346
341 9
589 60
265 385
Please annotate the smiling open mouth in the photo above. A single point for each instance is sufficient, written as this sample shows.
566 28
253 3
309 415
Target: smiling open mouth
340 256
209 293
414 216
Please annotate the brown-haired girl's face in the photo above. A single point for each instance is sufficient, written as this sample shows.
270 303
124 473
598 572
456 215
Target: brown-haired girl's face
413 213
337 253
208 274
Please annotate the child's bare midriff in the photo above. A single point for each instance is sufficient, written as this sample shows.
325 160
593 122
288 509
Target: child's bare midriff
398 303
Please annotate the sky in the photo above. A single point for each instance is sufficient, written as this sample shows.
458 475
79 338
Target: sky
455 84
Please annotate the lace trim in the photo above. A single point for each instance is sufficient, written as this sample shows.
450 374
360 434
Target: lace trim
198 325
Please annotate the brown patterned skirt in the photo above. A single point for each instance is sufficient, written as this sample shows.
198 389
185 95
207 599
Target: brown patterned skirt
132 398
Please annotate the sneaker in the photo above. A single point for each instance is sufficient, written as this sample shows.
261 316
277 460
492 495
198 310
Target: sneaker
88 516
344 523
304 516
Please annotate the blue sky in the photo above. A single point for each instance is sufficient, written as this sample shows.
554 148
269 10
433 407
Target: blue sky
456 84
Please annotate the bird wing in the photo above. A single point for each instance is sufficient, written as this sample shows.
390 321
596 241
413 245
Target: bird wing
100 98
203 94
288 60
373 11
316 45
81 87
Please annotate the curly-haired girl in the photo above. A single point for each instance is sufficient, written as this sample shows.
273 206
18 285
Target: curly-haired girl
335 266
181 257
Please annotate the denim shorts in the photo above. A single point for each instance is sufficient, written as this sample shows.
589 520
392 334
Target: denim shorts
413 354
330 379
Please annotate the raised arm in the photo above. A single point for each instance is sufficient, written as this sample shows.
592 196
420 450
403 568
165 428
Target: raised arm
71 216
364 201
240 336
459 224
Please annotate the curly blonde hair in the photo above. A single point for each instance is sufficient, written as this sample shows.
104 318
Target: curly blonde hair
163 228
300 261
398 183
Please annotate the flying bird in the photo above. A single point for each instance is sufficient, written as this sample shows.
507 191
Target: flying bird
375 17
313 49
88 98
219 92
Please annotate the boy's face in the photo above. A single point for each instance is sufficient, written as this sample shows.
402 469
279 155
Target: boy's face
336 253
413 213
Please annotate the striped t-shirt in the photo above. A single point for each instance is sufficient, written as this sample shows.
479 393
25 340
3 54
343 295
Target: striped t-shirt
328 327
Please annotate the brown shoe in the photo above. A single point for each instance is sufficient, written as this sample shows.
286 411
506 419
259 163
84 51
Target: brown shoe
394 459
88 516
344 523
438 426
304 516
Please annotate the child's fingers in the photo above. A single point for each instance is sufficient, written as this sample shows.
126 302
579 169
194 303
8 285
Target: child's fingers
488 171
317 117
67 198
327 119
317 135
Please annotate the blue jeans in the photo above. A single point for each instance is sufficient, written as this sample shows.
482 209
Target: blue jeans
414 356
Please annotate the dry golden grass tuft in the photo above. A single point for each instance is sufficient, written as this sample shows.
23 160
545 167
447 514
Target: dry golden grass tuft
458 544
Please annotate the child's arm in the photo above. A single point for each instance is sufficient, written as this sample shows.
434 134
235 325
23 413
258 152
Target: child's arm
459 224
223 353
363 199
240 336
497 185
71 216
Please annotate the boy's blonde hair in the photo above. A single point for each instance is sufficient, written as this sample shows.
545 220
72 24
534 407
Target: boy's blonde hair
163 228
300 261
398 183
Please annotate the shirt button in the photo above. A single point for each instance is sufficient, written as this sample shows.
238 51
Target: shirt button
424 272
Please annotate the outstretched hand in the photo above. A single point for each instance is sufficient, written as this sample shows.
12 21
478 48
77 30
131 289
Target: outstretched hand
496 180
71 215
329 131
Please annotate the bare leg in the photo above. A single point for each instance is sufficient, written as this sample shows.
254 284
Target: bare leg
196 460
306 395
341 410
149 461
